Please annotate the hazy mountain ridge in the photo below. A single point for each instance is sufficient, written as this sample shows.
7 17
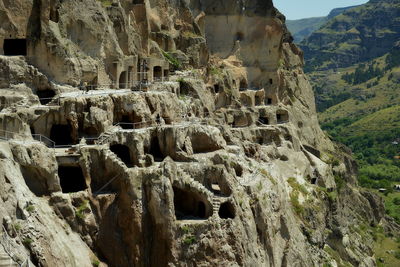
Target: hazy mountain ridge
303 28
359 34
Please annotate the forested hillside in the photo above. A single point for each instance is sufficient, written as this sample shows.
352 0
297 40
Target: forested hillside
354 65
357 35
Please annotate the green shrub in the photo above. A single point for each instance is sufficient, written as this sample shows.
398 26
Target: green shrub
172 60
188 34
27 241
80 211
296 186
17 227
396 201
189 237
216 71
30 208
332 196
340 182
294 199
105 3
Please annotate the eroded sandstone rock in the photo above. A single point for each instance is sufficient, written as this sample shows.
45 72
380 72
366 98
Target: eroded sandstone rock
104 160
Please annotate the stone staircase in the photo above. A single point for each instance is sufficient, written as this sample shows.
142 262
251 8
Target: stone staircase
120 167
193 183
216 202
24 102
116 160
6 260
102 77
105 137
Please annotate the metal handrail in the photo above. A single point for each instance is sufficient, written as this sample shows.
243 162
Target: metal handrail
132 86
250 88
260 122
6 134
44 139
51 103
282 122
135 124
104 186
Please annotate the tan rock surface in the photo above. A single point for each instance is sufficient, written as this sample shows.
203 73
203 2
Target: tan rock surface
223 165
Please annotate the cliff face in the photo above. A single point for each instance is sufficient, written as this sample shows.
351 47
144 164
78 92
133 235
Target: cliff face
185 168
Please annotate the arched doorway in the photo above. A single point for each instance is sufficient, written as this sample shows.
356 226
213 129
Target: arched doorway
122 152
61 134
71 179
226 211
122 80
15 47
45 96
243 85
189 205
157 73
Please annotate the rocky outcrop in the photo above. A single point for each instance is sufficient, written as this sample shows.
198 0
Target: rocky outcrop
223 164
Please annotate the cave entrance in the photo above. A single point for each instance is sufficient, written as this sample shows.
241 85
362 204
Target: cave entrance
239 36
130 77
71 179
166 74
61 134
243 85
123 153
189 205
269 101
216 88
226 211
238 170
258 100
126 123
271 81
157 73
45 96
167 120
122 80
282 116
264 120
105 184
15 47
155 150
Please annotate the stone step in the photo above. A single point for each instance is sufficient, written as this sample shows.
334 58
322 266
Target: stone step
6 260
216 202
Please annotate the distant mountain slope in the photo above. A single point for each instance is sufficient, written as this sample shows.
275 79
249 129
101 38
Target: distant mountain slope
360 107
303 28
353 62
358 34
